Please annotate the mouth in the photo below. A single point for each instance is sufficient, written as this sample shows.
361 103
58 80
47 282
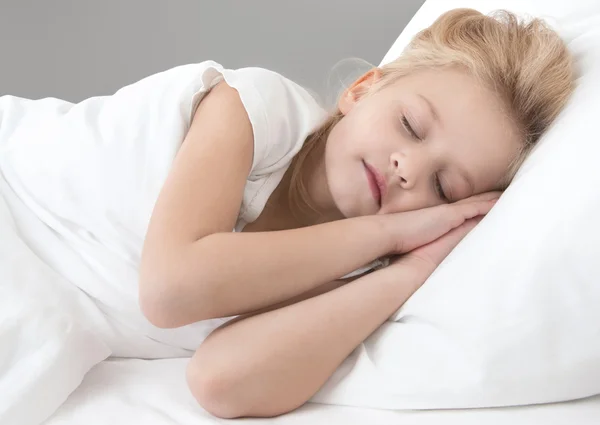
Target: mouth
376 183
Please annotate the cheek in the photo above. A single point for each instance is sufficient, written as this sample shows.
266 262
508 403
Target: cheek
357 131
334 161
337 160
341 135
342 145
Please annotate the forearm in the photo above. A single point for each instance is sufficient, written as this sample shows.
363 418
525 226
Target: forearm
228 274
289 353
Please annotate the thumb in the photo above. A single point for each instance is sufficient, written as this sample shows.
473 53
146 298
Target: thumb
436 251
454 236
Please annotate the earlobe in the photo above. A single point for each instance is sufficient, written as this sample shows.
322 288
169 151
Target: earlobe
354 93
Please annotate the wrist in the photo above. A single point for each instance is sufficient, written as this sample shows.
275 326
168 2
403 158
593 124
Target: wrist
382 233
408 272
396 283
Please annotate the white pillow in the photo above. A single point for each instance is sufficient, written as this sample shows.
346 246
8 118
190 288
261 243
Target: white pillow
512 316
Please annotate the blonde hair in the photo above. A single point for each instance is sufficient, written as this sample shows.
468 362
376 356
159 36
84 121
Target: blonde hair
525 63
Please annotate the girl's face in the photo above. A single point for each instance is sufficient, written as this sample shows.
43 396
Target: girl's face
431 137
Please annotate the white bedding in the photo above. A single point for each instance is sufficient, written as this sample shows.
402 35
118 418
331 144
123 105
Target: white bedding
77 187
153 392
64 234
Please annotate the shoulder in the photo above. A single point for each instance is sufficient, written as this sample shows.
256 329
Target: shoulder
282 113
277 89
279 97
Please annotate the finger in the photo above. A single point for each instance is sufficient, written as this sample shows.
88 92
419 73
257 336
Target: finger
471 223
488 196
474 209
453 237
457 234
435 252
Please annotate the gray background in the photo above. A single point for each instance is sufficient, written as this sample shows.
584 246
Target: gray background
73 49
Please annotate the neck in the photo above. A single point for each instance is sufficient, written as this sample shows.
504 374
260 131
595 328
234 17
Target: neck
315 180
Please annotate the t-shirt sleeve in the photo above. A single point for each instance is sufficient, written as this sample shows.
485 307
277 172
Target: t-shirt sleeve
281 112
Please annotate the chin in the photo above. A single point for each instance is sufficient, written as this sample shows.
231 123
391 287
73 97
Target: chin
351 209
344 191
345 209
350 205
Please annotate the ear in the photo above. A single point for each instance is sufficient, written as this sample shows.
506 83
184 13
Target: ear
355 92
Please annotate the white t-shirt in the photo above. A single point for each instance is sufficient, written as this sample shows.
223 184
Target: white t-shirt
282 114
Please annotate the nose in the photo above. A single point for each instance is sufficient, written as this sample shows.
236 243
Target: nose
404 170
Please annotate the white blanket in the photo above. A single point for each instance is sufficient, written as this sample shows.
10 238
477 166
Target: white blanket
49 330
131 392
78 184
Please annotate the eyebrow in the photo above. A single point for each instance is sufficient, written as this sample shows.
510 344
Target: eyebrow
431 107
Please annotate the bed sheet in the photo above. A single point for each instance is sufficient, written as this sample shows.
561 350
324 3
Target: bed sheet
153 392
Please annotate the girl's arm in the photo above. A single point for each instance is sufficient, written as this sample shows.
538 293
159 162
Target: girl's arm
193 267
273 362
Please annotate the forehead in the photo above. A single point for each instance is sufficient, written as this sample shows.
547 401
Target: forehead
472 129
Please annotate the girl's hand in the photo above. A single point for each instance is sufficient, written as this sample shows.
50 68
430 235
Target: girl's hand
424 260
413 229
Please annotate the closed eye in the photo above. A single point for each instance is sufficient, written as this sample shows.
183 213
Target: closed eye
408 128
440 190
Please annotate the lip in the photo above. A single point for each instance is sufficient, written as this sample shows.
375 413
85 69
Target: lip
376 183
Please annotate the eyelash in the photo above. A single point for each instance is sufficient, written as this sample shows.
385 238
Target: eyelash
438 183
408 128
